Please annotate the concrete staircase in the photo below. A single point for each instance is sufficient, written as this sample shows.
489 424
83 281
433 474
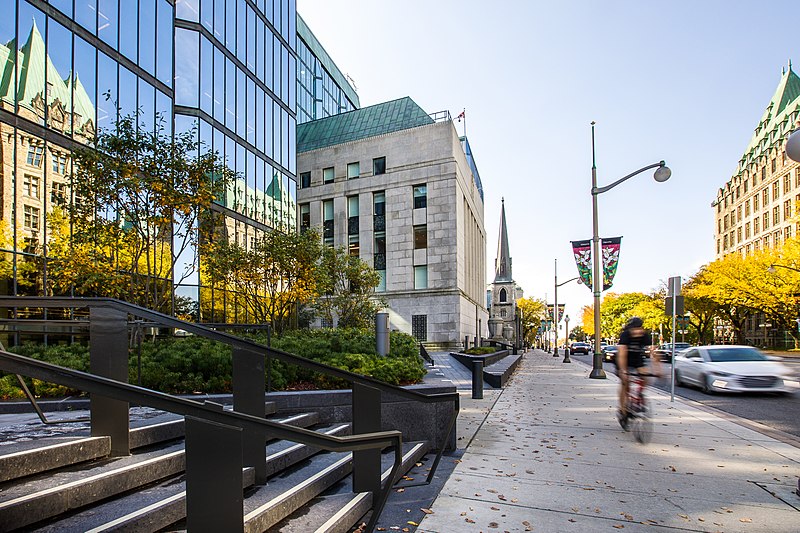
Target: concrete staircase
73 483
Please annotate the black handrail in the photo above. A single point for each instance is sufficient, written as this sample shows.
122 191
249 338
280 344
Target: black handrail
226 338
33 368
254 347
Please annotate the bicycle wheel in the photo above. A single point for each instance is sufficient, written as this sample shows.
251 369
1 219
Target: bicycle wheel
642 427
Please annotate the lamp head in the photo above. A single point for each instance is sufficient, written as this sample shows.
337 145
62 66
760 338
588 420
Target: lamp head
793 146
771 269
663 173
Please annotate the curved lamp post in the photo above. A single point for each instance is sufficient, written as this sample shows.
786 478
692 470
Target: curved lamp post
662 174
773 266
566 339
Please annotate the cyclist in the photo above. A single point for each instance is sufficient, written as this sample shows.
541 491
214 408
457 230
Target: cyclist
630 358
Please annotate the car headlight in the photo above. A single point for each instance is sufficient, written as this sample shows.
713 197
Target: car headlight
791 381
720 373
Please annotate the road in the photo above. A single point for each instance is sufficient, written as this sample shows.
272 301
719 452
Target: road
777 412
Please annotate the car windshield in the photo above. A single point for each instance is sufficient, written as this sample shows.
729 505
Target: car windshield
722 355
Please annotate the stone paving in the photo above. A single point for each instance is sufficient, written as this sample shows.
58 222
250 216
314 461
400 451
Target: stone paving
546 454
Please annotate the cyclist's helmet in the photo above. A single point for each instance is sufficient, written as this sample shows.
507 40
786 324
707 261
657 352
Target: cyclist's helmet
634 322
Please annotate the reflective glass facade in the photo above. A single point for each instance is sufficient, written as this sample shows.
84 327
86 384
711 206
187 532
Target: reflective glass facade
69 68
322 89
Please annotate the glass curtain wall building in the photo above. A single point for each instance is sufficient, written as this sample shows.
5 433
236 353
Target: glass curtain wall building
322 89
226 69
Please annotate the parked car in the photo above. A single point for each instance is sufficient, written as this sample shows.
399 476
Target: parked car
664 351
610 352
733 368
580 347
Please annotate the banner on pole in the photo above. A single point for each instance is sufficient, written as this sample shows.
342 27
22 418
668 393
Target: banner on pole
610 258
560 312
582 250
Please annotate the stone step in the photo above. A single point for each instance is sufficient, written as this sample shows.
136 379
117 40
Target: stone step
339 509
163 504
17 461
52 493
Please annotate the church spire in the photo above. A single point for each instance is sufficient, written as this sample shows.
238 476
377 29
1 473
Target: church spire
502 265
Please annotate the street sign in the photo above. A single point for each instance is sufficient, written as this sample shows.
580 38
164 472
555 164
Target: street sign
678 306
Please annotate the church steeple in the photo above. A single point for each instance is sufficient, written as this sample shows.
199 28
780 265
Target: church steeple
502 265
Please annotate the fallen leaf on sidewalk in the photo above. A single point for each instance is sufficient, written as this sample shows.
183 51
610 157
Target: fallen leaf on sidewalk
619 526
746 520
426 511
412 523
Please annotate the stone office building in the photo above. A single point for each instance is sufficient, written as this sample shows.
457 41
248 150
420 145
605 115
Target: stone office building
755 209
401 190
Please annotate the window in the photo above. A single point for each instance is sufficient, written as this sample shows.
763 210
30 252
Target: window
58 194
765 219
327 222
747 230
746 185
725 225
421 277
776 215
305 180
766 241
747 208
738 191
504 296
352 216
305 217
787 183
775 190
774 165
31 218
725 245
379 166
739 214
787 233
381 282
763 173
787 209
420 237
719 225
765 196
419 327
353 170
30 186
35 155
756 246
755 202
797 178
739 235
327 175
756 227
420 196
59 163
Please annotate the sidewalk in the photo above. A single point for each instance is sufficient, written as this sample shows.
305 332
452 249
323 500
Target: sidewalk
550 456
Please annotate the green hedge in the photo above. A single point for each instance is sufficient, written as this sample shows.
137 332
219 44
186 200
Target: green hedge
481 350
196 365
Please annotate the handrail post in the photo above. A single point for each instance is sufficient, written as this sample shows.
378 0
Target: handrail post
248 398
214 494
108 357
366 419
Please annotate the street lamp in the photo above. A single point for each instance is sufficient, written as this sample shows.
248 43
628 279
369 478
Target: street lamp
662 174
566 340
555 303
793 146
772 270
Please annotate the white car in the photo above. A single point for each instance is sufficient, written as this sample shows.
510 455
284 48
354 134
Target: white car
733 368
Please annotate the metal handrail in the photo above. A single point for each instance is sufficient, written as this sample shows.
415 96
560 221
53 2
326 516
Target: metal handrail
33 368
254 347
226 338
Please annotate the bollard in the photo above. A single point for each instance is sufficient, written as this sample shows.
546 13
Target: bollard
477 379
466 342
566 355
382 333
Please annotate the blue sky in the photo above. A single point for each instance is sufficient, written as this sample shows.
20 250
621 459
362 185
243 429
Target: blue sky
684 81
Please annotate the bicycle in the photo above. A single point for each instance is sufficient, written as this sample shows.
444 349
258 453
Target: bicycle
638 419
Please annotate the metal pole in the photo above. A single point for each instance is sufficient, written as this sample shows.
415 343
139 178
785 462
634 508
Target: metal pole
555 308
672 359
597 282
566 340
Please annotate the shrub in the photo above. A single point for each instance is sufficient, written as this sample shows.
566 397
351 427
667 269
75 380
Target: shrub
197 365
481 350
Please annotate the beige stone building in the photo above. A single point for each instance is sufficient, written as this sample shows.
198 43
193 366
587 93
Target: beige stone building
756 209
401 190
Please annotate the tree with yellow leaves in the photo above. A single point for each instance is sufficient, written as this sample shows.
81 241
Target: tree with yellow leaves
532 312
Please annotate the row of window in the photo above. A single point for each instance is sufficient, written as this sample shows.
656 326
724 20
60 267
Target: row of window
140 30
756 245
235 22
318 95
353 172
733 195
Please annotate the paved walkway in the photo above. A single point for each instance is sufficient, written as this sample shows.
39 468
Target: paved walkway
546 454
